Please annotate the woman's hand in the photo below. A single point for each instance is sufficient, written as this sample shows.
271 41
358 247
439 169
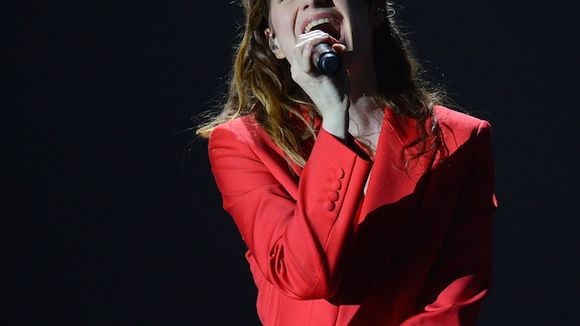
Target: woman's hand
329 93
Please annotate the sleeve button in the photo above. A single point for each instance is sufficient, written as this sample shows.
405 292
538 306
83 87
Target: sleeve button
339 173
333 195
336 185
329 206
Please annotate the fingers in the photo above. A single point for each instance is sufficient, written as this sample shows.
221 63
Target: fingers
339 48
326 92
315 36
305 46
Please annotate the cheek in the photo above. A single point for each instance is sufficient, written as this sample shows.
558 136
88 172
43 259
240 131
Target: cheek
357 26
283 27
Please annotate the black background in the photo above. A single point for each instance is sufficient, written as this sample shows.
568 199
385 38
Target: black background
113 216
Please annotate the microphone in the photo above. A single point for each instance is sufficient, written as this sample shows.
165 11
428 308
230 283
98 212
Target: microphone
325 59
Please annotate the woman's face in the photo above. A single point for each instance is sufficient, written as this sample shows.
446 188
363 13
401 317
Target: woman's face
350 22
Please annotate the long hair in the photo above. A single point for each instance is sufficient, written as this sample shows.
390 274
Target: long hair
261 85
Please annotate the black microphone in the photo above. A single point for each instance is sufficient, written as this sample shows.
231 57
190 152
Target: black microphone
325 59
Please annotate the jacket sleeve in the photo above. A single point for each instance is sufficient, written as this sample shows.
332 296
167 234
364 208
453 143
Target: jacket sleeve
298 243
462 275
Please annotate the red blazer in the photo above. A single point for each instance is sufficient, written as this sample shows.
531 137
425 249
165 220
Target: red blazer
414 250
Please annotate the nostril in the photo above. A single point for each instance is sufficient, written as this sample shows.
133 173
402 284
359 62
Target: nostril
318 3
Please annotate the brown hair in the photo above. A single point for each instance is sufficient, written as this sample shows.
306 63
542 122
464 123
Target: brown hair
261 84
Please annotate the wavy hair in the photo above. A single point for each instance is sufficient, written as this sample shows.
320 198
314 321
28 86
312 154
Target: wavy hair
261 85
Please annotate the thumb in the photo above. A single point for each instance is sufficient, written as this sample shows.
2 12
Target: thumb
339 48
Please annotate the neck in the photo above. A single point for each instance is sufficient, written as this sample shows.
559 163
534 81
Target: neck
363 94
363 79
365 111
364 114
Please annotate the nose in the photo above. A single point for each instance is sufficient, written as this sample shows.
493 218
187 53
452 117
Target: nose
317 4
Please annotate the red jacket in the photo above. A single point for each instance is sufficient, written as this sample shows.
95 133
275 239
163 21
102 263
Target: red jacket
414 250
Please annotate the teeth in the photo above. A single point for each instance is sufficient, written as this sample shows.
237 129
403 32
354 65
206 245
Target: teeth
314 23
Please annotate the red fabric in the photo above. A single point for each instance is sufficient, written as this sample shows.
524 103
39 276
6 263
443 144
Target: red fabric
415 250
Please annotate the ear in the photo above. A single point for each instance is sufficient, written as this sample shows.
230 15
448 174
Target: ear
273 43
378 12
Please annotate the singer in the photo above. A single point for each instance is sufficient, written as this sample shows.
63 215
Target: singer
361 199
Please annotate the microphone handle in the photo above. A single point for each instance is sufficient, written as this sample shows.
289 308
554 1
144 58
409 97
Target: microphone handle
325 59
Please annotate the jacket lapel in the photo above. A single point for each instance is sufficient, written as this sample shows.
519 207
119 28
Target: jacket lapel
393 180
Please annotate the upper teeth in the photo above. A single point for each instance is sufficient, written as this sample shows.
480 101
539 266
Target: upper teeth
314 23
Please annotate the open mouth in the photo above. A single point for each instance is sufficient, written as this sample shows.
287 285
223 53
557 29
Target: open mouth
327 25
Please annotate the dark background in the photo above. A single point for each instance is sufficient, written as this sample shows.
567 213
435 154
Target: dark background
113 216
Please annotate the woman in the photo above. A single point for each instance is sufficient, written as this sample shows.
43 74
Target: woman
361 201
